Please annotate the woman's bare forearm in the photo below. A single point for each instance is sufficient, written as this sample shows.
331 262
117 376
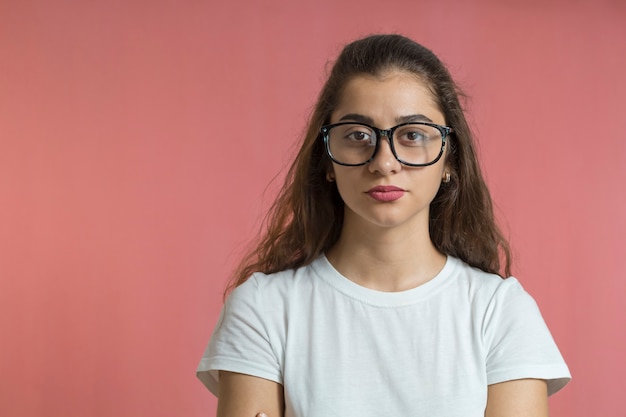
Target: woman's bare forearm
518 398
244 395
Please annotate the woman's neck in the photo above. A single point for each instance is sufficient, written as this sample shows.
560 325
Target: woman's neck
386 259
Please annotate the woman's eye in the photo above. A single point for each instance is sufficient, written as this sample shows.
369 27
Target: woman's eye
415 136
359 136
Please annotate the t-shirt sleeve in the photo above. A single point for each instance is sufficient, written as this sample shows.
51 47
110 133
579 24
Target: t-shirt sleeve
240 342
519 344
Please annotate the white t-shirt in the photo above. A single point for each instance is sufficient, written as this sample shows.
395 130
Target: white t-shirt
340 349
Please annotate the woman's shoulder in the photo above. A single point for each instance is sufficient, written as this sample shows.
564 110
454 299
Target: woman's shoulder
485 284
271 287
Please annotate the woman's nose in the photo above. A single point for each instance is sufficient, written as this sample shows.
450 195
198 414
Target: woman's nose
384 161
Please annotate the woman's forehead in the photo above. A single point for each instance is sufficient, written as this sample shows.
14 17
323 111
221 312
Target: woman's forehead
387 97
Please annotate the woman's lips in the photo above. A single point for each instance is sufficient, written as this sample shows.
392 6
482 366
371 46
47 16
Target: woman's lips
385 193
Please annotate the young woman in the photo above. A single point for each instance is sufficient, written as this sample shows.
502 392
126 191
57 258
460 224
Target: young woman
376 288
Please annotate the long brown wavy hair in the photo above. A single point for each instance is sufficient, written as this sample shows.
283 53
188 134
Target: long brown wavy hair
306 218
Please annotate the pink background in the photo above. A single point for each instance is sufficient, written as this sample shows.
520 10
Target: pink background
137 140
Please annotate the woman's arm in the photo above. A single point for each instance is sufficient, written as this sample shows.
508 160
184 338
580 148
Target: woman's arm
518 398
244 396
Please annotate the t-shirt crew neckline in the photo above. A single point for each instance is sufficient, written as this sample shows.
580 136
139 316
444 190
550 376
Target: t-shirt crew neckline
327 273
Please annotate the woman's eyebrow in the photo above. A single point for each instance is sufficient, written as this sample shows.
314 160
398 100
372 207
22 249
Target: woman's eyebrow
355 117
413 118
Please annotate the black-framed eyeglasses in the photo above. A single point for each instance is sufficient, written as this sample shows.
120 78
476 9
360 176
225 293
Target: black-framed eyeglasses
415 144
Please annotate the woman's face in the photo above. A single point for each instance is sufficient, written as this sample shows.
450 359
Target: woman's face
384 193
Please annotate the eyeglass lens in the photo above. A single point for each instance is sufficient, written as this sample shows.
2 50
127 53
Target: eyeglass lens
354 143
